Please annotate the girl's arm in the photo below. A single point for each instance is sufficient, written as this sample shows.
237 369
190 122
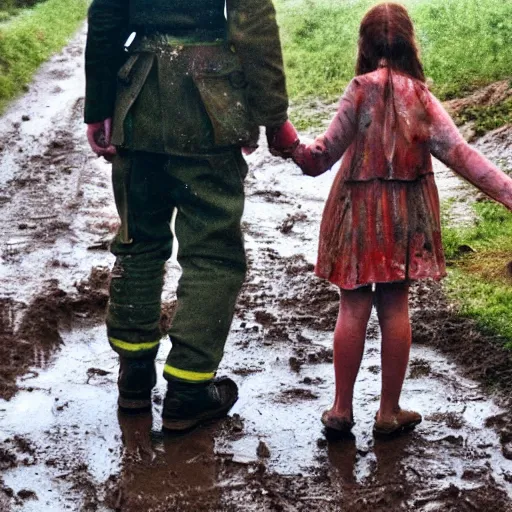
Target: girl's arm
448 145
316 158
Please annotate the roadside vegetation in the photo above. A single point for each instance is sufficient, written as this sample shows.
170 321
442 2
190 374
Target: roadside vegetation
480 259
9 8
485 118
29 36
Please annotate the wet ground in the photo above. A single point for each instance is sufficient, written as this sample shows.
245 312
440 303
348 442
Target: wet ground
65 447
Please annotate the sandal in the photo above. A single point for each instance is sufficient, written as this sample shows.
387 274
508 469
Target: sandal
401 422
336 426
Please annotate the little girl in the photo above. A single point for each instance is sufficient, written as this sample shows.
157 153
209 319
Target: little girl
381 224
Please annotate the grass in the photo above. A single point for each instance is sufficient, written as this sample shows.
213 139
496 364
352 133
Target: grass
319 44
487 118
28 39
480 281
491 228
488 302
10 8
464 43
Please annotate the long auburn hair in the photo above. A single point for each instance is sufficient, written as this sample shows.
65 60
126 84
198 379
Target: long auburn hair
387 32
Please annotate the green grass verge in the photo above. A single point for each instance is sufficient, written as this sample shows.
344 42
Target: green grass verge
480 282
489 303
5 15
491 229
10 8
28 39
464 44
486 118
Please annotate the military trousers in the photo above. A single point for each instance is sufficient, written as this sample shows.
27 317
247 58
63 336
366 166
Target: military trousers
208 192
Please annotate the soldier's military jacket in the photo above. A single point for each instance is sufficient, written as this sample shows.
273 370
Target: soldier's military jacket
193 80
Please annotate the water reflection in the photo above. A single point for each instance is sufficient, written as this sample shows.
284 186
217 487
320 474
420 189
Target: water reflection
163 471
378 473
342 456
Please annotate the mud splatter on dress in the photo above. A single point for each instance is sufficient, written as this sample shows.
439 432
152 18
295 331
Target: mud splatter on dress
381 222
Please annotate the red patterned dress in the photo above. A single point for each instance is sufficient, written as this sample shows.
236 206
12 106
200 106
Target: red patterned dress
381 222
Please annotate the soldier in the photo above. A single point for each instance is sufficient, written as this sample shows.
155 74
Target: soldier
173 114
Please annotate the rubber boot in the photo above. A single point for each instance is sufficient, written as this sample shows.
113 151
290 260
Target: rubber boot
137 377
188 405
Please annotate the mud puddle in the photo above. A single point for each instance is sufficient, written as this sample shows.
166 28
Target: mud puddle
65 447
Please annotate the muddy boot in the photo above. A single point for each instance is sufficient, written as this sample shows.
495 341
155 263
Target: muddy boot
401 422
137 377
188 405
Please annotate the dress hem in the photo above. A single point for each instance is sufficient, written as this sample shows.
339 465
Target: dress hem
438 277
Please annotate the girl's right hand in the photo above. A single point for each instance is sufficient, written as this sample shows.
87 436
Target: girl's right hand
282 140
312 159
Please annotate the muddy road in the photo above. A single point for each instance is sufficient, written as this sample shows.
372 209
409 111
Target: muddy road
63 445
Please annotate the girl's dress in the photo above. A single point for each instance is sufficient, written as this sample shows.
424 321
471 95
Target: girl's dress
381 222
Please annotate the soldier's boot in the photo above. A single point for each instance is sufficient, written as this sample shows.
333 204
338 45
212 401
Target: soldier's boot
188 405
137 378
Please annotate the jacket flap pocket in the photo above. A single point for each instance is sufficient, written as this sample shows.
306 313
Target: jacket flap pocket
224 96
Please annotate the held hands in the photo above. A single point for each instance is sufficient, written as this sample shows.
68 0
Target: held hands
98 135
282 140
312 158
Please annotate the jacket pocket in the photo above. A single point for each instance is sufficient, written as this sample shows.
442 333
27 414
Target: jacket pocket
224 96
131 79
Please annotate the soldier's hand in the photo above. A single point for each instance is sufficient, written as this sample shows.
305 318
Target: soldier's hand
249 150
98 135
282 140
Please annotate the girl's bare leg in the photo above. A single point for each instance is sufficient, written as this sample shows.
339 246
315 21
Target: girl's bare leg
392 301
349 338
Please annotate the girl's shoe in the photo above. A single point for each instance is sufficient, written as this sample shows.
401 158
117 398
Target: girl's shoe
401 422
336 426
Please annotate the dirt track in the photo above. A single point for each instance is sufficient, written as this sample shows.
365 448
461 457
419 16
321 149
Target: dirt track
65 447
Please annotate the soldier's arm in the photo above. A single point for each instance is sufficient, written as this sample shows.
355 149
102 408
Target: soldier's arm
104 54
254 32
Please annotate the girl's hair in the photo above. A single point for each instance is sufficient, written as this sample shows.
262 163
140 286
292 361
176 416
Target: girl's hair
387 32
